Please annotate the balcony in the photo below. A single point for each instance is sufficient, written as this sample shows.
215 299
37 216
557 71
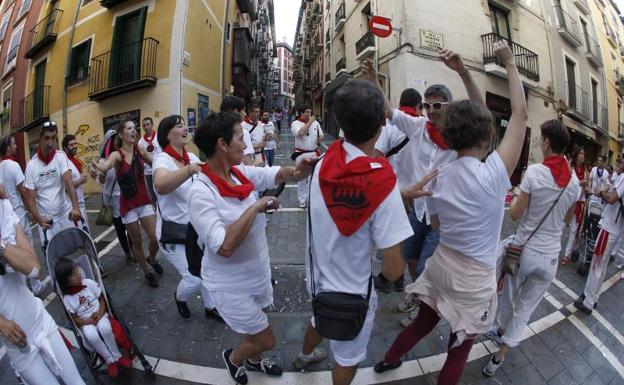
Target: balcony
365 47
583 6
249 7
578 100
111 3
619 84
599 116
44 33
341 66
34 108
568 27
527 61
341 17
123 69
592 51
242 48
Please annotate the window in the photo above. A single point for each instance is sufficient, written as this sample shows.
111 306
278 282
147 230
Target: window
5 114
500 21
586 35
24 8
227 32
79 62
5 23
571 82
202 108
13 48
595 105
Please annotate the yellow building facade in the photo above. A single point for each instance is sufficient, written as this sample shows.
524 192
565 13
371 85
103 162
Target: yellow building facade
95 62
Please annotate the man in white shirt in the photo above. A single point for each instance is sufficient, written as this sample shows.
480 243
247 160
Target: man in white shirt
308 134
271 139
149 141
237 105
251 124
355 206
70 146
598 179
48 185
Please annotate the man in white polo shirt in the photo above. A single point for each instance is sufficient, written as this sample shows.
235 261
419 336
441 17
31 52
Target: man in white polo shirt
598 179
237 105
251 124
308 135
149 142
355 207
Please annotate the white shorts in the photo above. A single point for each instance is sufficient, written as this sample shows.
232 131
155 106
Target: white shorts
242 312
137 213
351 353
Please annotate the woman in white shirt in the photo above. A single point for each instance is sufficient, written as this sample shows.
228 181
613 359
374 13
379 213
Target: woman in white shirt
31 337
174 171
230 224
467 205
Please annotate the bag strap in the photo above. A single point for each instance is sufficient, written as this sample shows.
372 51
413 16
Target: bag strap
394 150
546 216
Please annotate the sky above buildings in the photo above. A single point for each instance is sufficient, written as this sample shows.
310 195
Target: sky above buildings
286 14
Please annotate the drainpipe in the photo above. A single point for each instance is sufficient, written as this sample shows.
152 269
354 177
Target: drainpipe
67 62
224 48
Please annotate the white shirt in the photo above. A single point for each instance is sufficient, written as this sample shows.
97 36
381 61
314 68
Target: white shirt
175 205
426 155
612 211
144 144
247 269
11 176
401 162
345 262
75 174
47 181
539 182
269 128
469 199
309 141
256 134
598 182
249 150
86 301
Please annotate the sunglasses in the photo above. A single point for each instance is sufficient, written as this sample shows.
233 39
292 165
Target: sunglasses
49 123
436 106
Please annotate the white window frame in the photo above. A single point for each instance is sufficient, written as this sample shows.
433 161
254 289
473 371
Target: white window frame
6 19
11 64
22 11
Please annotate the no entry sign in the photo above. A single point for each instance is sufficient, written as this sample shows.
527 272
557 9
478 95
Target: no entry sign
380 26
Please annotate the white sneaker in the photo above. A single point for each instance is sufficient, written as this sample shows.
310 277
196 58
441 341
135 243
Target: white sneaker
302 360
494 337
620 266
491 367
405 322
409 303
302 205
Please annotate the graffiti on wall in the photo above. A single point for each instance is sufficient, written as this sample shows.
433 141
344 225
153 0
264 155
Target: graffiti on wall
88 145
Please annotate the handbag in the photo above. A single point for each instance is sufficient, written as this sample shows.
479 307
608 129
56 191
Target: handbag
338 316
105 215
171 233
128 181
511 259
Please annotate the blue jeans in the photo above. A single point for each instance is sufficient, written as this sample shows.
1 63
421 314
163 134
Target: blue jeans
270 156
420 246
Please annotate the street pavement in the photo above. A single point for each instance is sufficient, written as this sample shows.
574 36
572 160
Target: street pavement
560 347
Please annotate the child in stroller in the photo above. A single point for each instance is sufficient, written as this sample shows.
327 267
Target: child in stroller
85 303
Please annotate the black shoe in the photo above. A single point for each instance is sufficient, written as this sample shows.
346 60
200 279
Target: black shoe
151 280
382 284
266 366
214 314
183 308
399 285
236 372
383 366
581 306
157 268
582 299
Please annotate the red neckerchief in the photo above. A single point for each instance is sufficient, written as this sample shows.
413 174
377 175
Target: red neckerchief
184 158
10 157
76 163
241 191
411 111
353 191
580 172
250 122
560 169
436 136
46 159
150 146
75 289
301 119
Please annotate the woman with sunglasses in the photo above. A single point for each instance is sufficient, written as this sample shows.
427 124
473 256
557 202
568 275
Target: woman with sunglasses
134 202
467 206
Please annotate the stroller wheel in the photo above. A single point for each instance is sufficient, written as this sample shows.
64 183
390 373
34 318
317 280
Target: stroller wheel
583 269
574 256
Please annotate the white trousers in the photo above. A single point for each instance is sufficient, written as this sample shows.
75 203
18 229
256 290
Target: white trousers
571 237
523 292
618 245
302 190
102 339
605 243
39 374
189 284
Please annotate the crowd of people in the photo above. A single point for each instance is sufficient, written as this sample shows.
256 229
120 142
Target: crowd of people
420 185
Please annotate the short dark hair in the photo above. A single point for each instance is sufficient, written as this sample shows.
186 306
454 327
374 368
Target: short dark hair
63 270
466 124
410 98
232 103
4 145
120 128
68 138
253 106
215 126
165 126
49 126
557 135
302 108
148 118
601 157
440 91
360 110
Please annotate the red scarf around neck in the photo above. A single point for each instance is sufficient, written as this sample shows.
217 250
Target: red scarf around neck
72 290
184 158
10 157
353 191
46 159
226 190
250 122
560 169
76 163
411 111
149 139
580 172
303 120
436 136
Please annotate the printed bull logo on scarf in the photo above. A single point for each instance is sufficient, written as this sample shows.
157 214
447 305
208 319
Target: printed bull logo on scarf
353 191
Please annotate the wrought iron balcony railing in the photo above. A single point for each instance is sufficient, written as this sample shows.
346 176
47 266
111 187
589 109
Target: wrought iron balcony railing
341 64
527 61
34 108
568 26
368 40
44 33
578 99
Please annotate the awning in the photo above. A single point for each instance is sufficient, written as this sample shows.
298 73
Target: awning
579 128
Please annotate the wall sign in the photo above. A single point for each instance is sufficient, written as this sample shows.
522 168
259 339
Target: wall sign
431 40
111 122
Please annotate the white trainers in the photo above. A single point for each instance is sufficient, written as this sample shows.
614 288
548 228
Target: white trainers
620 266
302 360
494 337
409 303
406 321
491 367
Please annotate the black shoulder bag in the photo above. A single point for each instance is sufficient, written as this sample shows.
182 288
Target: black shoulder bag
128 181
337 316
194 253
171 233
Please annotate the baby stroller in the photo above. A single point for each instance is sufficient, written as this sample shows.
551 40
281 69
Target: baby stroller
76 245
588 236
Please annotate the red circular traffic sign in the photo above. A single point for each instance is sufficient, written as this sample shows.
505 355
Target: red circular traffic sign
380 26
